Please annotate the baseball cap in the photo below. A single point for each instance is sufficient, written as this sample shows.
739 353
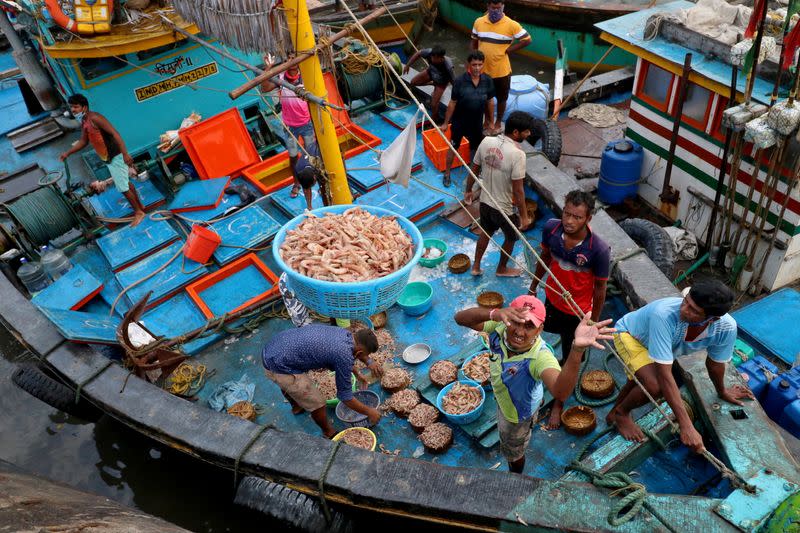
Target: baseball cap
534 306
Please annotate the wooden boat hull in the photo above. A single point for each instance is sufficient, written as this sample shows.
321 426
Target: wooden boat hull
547 22
404 18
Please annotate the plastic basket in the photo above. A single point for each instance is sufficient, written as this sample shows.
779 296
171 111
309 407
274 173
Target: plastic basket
466 418
433 243
353 419
436 149
355 299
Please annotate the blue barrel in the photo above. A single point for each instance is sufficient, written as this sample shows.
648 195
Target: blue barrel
781 392
756 370
527 94
790 418
620 171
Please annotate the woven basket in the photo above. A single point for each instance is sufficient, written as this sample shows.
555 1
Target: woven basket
378 320
459 263
490 299
455 374
597 384
532 208
420 429
398 388
579 420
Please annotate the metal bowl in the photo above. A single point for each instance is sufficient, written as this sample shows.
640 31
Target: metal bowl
416 353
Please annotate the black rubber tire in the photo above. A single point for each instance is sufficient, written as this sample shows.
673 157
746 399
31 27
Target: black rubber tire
290 506
35 382
654 240
550 134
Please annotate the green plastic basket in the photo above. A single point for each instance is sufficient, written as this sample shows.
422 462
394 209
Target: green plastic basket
433 243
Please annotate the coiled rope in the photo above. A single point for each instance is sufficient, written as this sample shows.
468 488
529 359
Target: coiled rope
43 214
187 379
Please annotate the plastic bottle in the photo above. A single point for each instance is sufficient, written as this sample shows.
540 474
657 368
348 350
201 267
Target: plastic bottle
54 262
32 276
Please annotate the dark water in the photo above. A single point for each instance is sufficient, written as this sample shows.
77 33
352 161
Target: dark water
111 460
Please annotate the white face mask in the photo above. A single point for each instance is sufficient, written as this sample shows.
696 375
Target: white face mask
79 116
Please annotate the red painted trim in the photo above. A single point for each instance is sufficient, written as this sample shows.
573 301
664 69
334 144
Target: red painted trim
708 157
692 122
87 298
427 212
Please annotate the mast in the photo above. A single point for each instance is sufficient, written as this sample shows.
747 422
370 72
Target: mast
302 33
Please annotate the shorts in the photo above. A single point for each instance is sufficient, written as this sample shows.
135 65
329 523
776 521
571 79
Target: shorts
633 353
562 324
475 137
299 388
306 131
119 173
514 438
437 78
491 221
502 86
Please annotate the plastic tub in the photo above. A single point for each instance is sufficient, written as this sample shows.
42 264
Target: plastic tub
416 299
352 419
466 418
463 376
335 401
340 436
433 243
349 300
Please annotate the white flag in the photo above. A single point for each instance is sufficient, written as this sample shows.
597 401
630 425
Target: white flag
397 159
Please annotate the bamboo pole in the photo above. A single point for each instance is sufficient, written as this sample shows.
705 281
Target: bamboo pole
303 55
303 39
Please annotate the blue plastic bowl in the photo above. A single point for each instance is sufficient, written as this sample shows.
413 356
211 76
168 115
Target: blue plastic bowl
463 376
353 419
416 298
466 418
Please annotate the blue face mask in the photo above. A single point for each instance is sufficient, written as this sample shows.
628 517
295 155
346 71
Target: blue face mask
496 13
79 116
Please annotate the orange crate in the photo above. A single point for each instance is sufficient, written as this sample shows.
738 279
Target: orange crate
436 149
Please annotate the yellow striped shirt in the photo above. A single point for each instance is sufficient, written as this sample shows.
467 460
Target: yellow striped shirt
494 40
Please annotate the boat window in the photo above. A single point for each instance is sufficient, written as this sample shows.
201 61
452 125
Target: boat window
95 67
696 104
656 85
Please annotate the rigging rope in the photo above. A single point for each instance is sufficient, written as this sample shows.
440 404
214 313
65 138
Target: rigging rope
43 214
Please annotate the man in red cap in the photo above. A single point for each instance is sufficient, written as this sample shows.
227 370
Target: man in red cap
296 117
521 363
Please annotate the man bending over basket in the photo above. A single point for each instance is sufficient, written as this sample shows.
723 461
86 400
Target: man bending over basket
288 355
521 362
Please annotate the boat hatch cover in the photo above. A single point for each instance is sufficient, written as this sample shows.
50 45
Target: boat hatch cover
71 291
199 195
127 245
111 203
414 202
246 228
769 323
747 511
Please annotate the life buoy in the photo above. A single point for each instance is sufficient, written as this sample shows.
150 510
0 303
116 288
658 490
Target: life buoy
91 17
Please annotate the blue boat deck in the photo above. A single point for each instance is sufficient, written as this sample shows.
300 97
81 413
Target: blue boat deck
234 356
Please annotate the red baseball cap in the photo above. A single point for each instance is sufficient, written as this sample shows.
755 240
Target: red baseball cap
534 306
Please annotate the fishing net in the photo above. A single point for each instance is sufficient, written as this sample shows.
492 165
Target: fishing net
249 25
784 118
760 134
738 116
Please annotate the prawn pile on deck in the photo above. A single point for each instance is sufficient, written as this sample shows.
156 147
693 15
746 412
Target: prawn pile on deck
352 246
359 439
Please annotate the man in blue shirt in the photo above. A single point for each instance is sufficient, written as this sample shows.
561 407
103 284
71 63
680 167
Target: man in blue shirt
650 338
288 355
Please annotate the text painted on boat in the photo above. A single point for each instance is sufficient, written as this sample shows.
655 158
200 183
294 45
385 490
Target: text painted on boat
173 66
175 82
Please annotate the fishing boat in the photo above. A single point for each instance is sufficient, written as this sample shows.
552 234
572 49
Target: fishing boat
548 21
125 300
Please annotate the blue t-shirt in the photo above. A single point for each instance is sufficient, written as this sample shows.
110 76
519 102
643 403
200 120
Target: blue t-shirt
658 327
298 350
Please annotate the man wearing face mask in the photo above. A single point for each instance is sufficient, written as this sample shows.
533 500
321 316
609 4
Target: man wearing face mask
110 148
522 362
497 36
651 337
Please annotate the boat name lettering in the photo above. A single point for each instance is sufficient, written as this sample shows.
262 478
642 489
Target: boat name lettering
175 82
171 67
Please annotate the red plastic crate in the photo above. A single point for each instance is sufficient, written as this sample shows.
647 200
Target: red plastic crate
436 149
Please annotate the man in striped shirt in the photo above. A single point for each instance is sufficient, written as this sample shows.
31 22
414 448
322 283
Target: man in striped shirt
497 36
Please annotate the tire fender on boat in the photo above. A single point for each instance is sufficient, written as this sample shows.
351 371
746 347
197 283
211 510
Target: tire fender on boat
287 505
35 382
550 134
654 240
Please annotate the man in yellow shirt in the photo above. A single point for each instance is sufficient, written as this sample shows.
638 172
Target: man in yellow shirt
497 36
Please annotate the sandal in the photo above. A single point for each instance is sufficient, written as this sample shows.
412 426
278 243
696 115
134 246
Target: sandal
295 191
